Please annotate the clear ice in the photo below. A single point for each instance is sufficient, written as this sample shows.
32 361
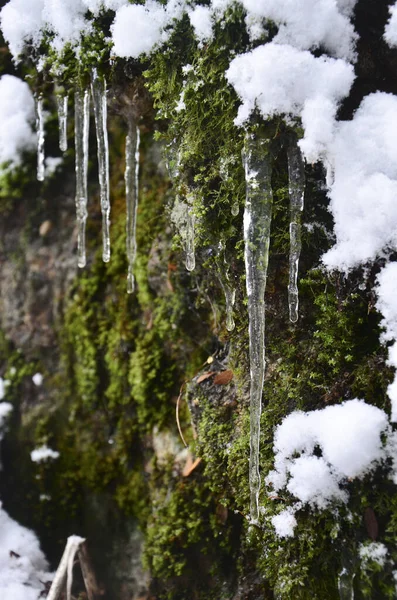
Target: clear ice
345 584
131 192
257 219
235 209
99 96
40 138
228 289
296 174
190 261
81 136
62 102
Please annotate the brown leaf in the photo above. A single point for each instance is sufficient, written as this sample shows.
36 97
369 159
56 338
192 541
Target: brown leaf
222 513
190 466
223 378
205 376
371 523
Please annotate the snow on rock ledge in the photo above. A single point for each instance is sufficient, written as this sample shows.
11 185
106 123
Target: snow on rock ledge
349 437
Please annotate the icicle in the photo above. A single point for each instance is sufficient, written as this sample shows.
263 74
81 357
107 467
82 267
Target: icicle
345 585
98 86
227 287
235 209
230 297
257 219
296 173
62 101
81 132
40 138
131 193
190 255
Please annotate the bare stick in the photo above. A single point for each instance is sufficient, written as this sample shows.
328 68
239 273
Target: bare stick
177 415
91 585
64 571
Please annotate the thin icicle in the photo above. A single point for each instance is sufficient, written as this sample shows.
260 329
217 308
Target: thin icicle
40 138
131 193
81 133
228 289
235 209
296 173
346 585
257 220
62 102
190 244
98 86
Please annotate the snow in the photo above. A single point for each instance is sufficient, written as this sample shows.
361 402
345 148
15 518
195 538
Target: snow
329 28
284 523
51 164
362 155
17 113
25 21
2 389
349 438
21 21
43 453
21 576
279 79
137 29
390 34
373 551
387 305
201 21
5 410
37 379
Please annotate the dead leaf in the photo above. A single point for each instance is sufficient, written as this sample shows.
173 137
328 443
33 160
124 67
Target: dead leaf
371 523
190 465
222 513
205 376
223 378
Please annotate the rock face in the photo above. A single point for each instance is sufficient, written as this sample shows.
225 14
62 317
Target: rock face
36 270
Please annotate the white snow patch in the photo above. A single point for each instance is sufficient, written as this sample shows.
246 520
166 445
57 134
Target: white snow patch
373 551
43 453
137 29
308 24
349 438
21 576
37 379
364 192
17 114
201 21
390 34
387 305
284 523
51 164
279 79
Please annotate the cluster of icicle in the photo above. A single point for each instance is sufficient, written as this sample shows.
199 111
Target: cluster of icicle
82 97
257 161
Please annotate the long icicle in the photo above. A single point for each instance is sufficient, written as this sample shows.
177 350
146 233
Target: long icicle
62 102
131 193
296 173
81 134
40 138
257 220
98 86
